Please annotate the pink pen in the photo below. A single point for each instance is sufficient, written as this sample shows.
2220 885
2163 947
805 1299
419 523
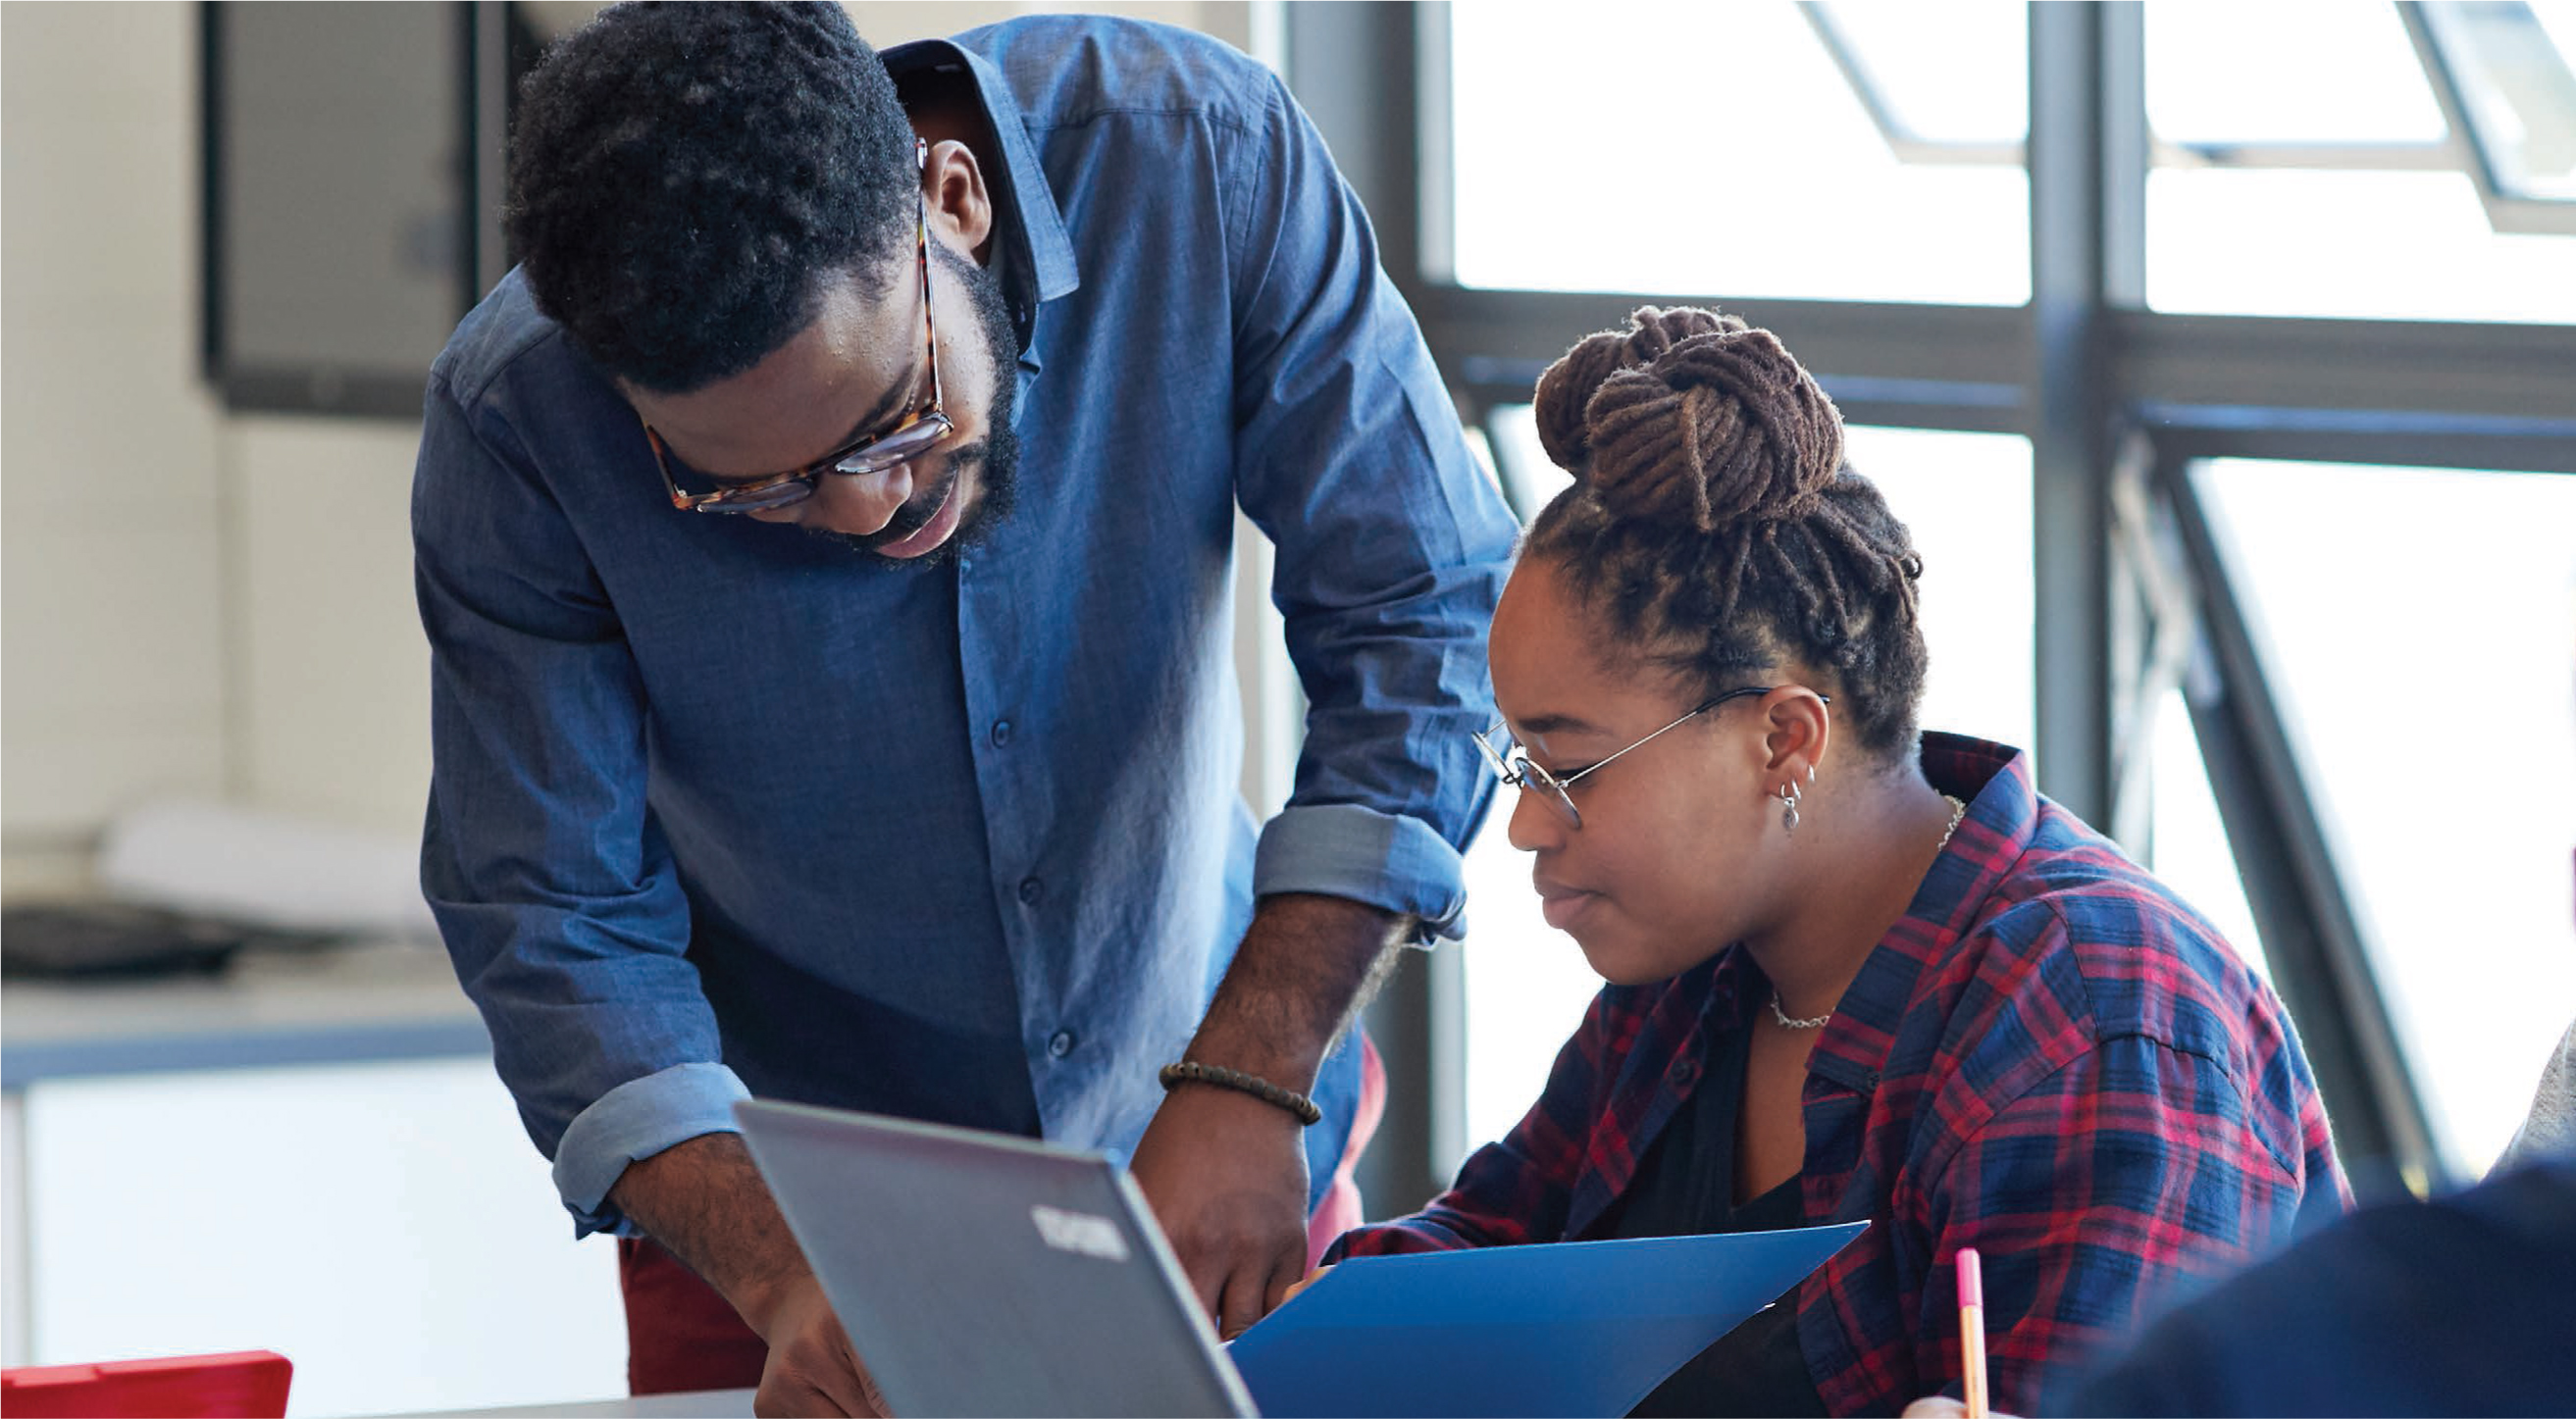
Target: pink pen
1972 1333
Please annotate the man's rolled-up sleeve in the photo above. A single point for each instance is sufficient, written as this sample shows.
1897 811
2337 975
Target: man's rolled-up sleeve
1392 541
556 897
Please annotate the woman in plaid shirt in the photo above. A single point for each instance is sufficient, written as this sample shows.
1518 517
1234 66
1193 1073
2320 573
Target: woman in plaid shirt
1854 973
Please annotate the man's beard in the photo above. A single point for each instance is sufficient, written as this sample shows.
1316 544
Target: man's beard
994 457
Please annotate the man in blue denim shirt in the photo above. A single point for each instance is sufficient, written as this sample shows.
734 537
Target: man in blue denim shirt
911 786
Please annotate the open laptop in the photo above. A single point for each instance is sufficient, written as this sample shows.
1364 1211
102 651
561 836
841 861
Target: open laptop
980 1274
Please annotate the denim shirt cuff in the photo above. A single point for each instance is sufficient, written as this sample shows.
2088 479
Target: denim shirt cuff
633 1121
1344 850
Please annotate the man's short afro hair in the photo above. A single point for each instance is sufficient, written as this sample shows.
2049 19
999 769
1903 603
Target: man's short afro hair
685 178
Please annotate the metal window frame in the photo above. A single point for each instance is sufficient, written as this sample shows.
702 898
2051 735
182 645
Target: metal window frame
1900 136
2313 935
2110 394
2437 35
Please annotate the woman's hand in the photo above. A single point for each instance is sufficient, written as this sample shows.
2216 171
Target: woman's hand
1942 1406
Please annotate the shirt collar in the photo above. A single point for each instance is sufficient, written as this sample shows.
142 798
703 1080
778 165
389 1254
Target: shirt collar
2002 817
1037 262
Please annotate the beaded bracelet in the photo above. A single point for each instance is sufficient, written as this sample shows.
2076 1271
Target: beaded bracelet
1192 1072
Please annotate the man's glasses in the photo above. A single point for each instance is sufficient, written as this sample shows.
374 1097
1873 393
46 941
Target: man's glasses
1513 765
872 452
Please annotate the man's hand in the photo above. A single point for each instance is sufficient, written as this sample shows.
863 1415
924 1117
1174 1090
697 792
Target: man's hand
811 1368
704 1202
1226 1174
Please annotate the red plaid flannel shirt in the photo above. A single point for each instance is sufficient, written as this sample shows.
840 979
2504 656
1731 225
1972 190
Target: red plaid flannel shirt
2049 1058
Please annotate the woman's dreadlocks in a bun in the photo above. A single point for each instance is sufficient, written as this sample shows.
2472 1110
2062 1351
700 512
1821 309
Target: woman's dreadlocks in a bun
1715 523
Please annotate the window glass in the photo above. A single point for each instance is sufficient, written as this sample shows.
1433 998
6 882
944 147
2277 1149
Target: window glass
1966 498
2303 168
2418 627
1722 149
2189 849
1886 44
2228 71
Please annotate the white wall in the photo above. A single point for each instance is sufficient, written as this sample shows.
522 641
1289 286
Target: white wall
330 663
112 563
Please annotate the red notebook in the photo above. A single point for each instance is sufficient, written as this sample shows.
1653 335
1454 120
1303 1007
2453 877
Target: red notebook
247 1384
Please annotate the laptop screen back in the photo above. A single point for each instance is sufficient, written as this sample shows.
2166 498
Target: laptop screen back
985 1275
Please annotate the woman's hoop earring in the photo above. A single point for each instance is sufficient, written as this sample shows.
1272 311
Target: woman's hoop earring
1789 796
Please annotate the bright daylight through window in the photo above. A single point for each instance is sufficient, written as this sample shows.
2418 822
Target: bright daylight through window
2418 626
2303 166
1792 183
2327 163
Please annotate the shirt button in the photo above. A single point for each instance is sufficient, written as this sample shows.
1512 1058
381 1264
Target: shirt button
1031 889
1001 732
1060 1043
1684 1072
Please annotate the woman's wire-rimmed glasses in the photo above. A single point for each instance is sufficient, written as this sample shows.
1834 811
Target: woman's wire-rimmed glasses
1513 765
872 452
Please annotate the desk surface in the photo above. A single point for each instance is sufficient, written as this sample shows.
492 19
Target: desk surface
705 1404
395 1000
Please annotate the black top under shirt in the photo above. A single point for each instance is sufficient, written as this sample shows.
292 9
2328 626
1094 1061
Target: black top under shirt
1685 1186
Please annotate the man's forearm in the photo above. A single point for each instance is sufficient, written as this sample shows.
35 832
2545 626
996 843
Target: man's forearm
1302 973
705 1203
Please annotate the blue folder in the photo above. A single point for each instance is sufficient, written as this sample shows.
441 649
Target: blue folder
1568 1328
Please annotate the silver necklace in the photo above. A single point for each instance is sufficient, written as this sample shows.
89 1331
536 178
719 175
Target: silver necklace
1958 812
1793 1022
